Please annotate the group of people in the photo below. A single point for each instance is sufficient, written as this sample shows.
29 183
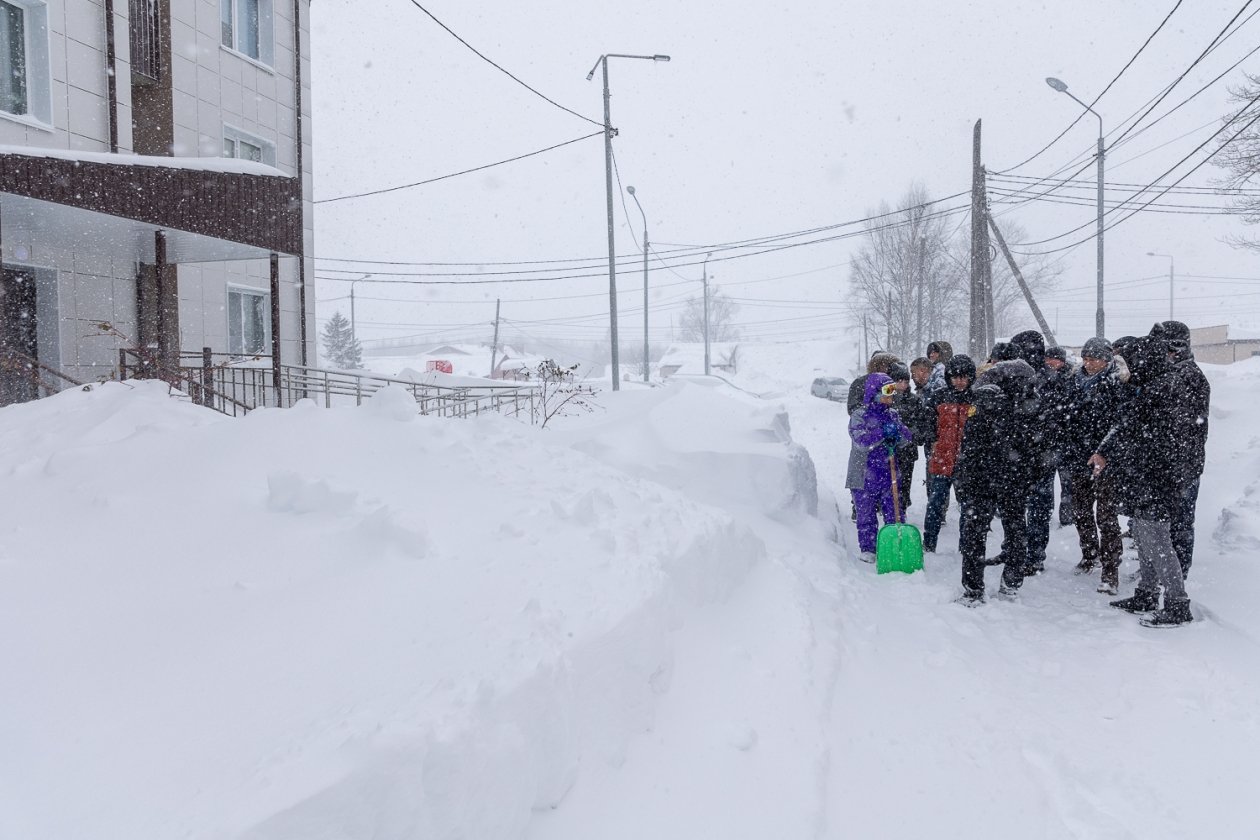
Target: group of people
1125 432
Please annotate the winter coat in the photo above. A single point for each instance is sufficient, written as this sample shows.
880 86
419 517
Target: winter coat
1194 395
870 427
1095 405
950 408
999 453
913 410
1146 451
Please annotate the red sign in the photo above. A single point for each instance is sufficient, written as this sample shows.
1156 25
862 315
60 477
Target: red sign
440 365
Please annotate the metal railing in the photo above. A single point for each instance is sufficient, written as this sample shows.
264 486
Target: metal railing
146 39
234 386
24 378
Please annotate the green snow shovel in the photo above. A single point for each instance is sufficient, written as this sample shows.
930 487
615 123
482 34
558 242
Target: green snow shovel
899 547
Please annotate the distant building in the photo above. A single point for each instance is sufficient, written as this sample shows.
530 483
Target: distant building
688 359
1214 346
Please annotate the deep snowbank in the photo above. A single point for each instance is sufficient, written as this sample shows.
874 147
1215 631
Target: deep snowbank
327 623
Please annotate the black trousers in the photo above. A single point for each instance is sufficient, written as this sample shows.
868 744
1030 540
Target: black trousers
1100 533
977 520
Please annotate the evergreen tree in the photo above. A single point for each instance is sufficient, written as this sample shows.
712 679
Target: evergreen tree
341 348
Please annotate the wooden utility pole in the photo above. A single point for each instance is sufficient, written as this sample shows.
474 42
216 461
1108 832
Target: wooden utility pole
980 334
1023 286
494 347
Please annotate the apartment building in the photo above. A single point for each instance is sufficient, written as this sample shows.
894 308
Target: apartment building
155 176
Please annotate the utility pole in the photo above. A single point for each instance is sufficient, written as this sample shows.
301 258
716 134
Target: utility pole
494 348
647 364
706 312
922 280
977 341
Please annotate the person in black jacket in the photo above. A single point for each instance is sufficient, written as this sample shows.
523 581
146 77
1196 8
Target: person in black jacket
1041 418
1194 396
1145 452
1094 408
993 474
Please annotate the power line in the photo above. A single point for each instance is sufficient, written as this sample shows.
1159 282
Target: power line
500 68
456 174
1081 116
1196 167
1185 72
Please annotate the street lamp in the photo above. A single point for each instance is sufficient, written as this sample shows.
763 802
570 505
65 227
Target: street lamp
1061 87
354 332
1170 280
612 254
705 280
645 282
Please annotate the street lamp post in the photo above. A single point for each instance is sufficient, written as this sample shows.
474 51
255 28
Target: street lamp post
612 253
354 332
1061 87
705 280
1171 275
646 367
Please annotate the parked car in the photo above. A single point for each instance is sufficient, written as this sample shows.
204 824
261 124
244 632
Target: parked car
830 388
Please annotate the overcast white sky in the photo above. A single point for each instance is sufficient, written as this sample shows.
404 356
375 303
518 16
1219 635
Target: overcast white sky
771 117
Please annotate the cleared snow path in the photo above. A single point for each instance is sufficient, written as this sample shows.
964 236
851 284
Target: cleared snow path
824 701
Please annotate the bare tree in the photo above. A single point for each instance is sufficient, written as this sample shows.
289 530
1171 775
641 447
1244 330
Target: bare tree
906 284
722 312
1241 158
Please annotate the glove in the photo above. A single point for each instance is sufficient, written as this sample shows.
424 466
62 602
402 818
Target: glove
892 432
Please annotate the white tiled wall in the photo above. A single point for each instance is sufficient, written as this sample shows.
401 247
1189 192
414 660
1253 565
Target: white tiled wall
212 86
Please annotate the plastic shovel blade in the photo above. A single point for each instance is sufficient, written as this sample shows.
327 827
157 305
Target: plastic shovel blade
898 548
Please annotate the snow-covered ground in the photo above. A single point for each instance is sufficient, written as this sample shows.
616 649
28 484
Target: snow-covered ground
357 623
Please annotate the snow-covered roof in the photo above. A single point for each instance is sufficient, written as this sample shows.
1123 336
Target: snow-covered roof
690 355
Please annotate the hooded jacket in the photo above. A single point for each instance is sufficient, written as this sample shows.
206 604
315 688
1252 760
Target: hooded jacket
1145 449
950 410
998 453
868 429
1095 405
936 380
1194 397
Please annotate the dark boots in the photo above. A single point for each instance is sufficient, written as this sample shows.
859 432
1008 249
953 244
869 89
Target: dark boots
1176 612
1143 600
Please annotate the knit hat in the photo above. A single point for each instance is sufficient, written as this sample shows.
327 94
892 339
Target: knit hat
1003 351
1097 348
1031 347
960 365
1057 353
899 372
1172 331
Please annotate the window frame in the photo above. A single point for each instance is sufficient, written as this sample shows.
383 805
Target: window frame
236 136
38 61
231 32
242 291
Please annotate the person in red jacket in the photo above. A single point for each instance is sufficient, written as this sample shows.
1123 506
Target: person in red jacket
950 407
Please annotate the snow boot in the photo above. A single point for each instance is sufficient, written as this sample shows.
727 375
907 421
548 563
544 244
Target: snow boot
1143 600
1175 613
1008 593
867 557
1084 567
1109 588
970 598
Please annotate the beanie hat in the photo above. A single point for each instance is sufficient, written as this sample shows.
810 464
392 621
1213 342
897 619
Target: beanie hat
1172 331
960 365
1097 348
1003 351
899 372
1056 353
1031 347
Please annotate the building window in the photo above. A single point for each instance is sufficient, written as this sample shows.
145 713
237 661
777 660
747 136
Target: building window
239 144
24 67
249 322
247 28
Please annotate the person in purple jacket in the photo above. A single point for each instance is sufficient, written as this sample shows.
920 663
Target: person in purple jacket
874 429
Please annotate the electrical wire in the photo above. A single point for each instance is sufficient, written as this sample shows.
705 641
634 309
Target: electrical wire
384 190
1123 69
501 69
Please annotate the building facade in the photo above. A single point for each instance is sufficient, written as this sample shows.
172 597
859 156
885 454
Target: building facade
155 183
